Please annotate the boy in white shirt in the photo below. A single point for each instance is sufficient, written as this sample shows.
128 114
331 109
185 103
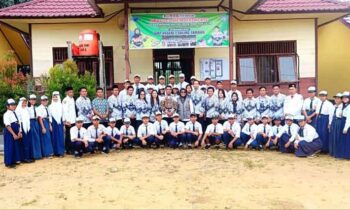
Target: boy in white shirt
161 129
194 131
262 134
113 134
146 133
232 132
98 137
177 132
270 144
128 135
213 134
286 136
248 131
79 138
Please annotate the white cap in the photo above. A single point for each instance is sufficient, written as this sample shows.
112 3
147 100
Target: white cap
300 118
264 116
55 93
150 77
137 75
95 117
176 86
234 82
231 116
158 113
346 94
112 119
250 118
145 116
148 86
161 77
323 92
289 117
311 89
181 75
23 99
79 119
127 120
126 80
44 97
32 96
338 95
193 77
176 115
171 76
10 101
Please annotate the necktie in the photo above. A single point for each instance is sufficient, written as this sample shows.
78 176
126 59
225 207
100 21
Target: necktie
146 130
249 128
231 126
193 129
15 116
96 133
321 107
160 128
234 107
214 128
176 128
278 130
126 132
137 90
264 128
335 112
301 132
311 103
47 112
79 134
34 111
289 132
112 132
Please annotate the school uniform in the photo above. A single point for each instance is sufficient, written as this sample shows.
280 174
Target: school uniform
236 130
209 109
247 132
77 137
194 127
148 130
308 141
12 149
185 108
84 110
46 142
309 106
263 104
239 93
129 131
160 86
273 134
343 147
138 88
260 140
335 128
293 105
197 97
288 133
35 132
323 111
182 85
236 107
26 142
112 132
168 105
162 129
276 106
142 108
101 106
69 115
129 108
93 134
57 137
174 142
115 109
250 108
223 109
215 139
155 107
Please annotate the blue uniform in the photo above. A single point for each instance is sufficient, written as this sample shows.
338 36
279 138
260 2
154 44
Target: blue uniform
12 149
46 142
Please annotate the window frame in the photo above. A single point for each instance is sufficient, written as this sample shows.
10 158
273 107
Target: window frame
239 71
294 57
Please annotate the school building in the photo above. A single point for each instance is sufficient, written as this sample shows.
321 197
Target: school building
256 42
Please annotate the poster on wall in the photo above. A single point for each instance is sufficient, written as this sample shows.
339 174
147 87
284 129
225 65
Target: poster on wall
215 68
178 30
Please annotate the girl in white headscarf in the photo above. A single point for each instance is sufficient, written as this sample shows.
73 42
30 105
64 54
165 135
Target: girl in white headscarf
24 118
56 113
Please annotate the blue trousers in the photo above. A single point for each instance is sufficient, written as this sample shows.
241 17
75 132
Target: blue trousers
308 148
79 147
190 138
105 145
175 141
244 138
283 141
259 142
215 140
112 143
152 140
227 138
46 143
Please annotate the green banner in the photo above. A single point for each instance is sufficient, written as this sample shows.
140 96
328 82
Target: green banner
178 30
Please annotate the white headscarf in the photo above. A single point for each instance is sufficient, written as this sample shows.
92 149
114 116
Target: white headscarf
23 115
56 108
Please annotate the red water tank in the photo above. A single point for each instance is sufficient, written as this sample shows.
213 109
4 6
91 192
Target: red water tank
88 43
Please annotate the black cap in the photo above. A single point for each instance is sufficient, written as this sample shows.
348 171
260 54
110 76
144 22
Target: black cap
292 86
193 115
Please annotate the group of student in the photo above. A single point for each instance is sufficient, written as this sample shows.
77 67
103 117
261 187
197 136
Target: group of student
177 116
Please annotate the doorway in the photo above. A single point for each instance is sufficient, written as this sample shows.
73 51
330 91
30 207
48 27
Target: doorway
173 61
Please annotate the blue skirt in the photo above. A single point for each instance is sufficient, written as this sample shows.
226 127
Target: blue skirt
306 149
313 120
36 144
46 144
27 145
323 131
57 138
10 153
334 136
343 148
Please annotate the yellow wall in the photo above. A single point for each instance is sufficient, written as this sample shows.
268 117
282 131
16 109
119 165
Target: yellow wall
5 47
333 57
46 36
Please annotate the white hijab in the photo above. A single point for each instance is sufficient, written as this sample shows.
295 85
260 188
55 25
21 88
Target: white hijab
23 115
56 108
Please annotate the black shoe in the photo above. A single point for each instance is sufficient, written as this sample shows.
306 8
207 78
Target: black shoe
207 146
11 166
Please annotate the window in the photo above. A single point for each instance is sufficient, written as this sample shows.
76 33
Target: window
60 55
266 62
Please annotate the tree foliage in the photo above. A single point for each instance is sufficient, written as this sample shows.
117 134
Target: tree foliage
7 3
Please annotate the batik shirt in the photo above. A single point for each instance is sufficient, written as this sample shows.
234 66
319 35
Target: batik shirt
249 106
237 109
276 105
115 107
129 107
209 106
263 106
84 108
224 108
142 108
197 97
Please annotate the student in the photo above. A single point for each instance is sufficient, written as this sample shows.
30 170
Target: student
146 133
232 132
309 106
12 135
236 106
113 134
161 83
79 138
235 90
124 92
142 108
128 135
271 143
34 127
69 115
189 89
223 107
293 103
213 133
161 129
23 116
56 113
182 83
137 85
184 106
98 137
168 105
209 105
197 96
307 143
193 131
323 113
335 124
115 107
46 128
262 135
277 103
249 105
286 136
263 104
84 108
343 147
248 131
219 86
129 107
175 93
207 84
155 105
172 81
177 132
100 106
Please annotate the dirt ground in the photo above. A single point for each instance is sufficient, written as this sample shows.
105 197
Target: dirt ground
178 179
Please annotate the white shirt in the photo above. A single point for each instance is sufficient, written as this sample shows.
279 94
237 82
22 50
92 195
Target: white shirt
218 128
68 107
182 85
235 128
327 108
309 132
130 131
145 130
74 133
346 113
260 129
196 126
160 86
42 111
293 105
249 129
33 112
109 130
177 127
9 118
337 112
92 132
140 86
162 124
275 130
294 128
307 106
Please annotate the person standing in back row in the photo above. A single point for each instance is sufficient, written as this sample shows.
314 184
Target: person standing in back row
69 116
309 106
293 103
